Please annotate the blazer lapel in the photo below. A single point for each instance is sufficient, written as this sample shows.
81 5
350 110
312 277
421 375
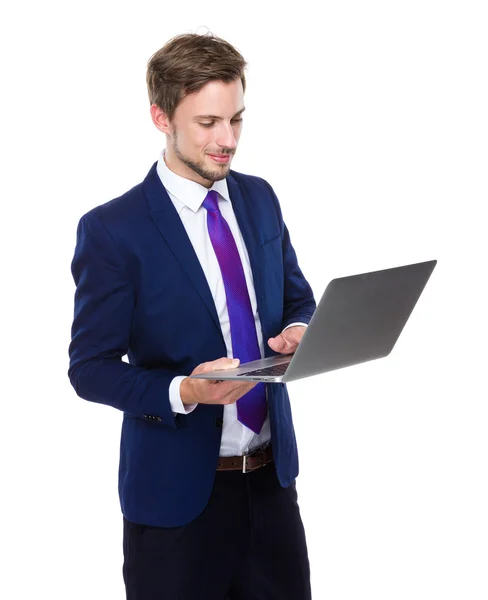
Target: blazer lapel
250 232
166 219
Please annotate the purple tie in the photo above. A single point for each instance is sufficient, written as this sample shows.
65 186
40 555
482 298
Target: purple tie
251 408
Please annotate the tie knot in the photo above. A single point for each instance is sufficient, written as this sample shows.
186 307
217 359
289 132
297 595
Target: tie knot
211 201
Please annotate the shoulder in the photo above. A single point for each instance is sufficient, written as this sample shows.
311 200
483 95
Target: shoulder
124 206
250 181
253 186
119 211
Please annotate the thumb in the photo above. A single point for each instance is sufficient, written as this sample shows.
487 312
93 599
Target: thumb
277 344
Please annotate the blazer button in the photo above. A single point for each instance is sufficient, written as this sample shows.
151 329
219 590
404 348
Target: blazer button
219 422
158 419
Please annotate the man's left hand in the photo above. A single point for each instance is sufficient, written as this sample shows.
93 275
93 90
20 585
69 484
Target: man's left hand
288 340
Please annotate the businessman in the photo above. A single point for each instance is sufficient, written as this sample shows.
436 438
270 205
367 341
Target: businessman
191 270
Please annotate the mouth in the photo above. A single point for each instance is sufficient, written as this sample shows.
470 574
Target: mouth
220 158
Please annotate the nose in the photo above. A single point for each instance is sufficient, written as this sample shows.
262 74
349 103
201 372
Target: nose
226 137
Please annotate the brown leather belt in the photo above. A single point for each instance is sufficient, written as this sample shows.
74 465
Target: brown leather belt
249 462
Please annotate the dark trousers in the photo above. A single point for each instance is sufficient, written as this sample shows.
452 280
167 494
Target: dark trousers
248 544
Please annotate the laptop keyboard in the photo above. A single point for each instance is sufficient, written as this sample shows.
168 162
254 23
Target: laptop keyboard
273 370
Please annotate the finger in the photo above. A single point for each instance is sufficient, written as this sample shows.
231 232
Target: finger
290 346
277 344
242 387
215 365
230 391
222 363
273 343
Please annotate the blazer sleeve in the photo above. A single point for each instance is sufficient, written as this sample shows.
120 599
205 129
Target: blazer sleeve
103 313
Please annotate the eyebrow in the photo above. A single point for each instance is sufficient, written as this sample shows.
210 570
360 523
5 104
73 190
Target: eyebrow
217 118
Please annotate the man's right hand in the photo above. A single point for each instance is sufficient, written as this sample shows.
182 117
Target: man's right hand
211 391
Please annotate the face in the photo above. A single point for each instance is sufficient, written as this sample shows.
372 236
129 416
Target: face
202 137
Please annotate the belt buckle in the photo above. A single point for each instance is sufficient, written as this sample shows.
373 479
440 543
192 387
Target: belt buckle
245 467
258 451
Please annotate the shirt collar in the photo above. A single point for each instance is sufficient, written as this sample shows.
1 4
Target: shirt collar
189 193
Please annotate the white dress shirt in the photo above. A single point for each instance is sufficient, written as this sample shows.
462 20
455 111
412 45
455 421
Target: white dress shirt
187 197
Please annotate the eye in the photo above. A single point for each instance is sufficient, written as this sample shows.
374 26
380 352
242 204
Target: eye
213 122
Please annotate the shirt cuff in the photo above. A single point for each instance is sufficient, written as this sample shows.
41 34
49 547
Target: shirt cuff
175 401
294 325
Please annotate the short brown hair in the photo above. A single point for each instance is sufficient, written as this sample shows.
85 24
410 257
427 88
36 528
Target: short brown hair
186 63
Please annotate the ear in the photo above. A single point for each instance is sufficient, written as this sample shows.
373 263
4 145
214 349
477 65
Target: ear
160 119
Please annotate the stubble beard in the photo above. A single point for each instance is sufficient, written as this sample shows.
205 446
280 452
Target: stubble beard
199 167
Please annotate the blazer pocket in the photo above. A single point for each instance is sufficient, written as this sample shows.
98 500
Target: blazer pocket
271 240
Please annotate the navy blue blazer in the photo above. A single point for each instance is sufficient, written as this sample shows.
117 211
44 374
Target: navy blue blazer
141 291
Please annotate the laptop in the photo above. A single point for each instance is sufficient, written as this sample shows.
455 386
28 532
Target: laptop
359 318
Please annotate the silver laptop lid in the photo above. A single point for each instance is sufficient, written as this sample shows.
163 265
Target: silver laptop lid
358 319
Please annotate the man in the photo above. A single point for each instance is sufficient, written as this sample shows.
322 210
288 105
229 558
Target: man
188 270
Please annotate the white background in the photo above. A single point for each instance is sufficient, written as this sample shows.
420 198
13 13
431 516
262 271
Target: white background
370 121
